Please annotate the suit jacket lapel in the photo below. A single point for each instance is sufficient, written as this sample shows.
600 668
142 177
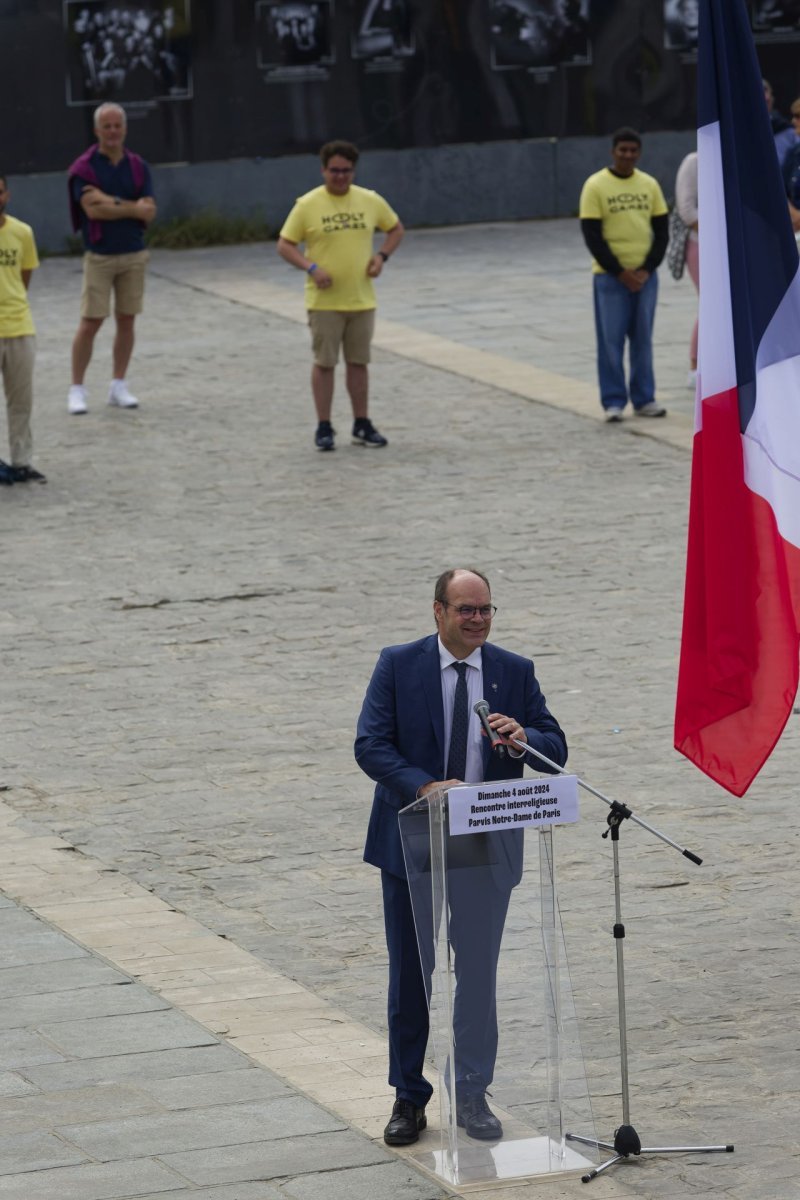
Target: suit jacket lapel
493 692
431 680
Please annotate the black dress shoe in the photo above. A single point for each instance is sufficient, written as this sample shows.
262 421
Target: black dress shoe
406 1124
476 1118
26 475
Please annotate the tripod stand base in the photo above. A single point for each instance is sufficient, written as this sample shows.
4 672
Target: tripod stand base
626 1142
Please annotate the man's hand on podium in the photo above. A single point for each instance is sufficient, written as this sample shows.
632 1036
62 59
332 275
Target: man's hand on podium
440 785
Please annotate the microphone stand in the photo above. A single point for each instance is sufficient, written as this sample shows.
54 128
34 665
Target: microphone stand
626 1139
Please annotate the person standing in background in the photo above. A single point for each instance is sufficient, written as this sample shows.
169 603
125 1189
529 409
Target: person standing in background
625 224
18 261
111 203
686 204
337 223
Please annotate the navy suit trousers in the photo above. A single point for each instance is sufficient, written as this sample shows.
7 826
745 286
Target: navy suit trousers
477 915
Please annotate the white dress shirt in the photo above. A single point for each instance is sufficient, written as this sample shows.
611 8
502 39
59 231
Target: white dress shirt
474 678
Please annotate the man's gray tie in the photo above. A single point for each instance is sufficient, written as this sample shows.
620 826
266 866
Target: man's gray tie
457 755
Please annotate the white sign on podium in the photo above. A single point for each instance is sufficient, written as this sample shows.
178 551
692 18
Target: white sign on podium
513 804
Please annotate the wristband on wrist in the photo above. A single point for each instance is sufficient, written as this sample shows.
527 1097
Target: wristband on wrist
383 255
310 270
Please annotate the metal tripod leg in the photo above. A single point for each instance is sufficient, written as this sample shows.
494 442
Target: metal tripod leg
626 1139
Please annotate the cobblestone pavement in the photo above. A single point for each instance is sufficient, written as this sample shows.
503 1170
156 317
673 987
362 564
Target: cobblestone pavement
193 605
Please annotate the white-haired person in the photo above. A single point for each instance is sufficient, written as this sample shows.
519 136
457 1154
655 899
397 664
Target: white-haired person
111 202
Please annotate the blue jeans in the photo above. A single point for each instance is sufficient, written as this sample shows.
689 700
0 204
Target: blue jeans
619 313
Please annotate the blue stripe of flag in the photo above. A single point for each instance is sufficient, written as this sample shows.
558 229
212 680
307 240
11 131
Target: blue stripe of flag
762 252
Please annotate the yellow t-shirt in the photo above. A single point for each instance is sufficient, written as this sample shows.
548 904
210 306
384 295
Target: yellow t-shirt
625 207
17 254
338 233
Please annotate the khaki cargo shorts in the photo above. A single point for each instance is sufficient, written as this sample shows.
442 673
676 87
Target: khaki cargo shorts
331 330
124 273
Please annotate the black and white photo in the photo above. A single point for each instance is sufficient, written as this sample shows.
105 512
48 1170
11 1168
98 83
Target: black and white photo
128 53
681 21
383 30
538 33
294 37
776 16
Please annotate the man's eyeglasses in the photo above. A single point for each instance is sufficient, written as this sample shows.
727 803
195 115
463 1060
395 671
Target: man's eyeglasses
467 611
339 170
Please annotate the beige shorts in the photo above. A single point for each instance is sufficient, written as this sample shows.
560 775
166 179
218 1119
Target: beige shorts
122 272
350 330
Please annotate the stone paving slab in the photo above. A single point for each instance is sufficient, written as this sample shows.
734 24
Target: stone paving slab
97 1181
104 1001
49 1111
19 1048
140 1066
287 1156
197 1129
238 1191
97 1036
389 1181
35 1152
78 973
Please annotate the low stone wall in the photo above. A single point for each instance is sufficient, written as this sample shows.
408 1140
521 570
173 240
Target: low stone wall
443 185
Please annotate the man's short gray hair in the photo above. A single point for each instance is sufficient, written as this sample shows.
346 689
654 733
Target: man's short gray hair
109 106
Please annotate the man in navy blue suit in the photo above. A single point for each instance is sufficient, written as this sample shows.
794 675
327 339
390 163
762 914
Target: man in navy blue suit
408 720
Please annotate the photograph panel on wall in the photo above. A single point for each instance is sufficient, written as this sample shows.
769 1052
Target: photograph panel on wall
132 53
294 39
681 22
383 33
538 33
776 20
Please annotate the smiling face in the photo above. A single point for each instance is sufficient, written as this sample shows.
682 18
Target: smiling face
110 129
624 157
461 635
338 175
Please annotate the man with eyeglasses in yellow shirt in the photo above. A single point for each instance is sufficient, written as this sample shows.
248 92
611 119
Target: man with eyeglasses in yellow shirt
412 740
336 224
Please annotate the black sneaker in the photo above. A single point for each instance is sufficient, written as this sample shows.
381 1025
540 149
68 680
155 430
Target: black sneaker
365 434
6 474
323 438
27 475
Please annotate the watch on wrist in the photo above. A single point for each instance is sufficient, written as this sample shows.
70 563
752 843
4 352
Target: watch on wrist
117 200
384 255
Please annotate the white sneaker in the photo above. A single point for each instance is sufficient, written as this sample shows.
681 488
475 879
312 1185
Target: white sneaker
614 414
76 400
653 409
119 396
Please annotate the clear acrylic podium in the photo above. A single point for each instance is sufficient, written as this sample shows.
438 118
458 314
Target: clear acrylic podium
459 889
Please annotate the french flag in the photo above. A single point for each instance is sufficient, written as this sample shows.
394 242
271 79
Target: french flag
741 623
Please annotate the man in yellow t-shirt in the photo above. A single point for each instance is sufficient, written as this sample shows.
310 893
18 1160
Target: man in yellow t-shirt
624 221
336 223
18 260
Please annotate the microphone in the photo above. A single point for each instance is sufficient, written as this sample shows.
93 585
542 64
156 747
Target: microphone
481 710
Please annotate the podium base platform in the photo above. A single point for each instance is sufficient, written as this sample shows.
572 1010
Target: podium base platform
480 1167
